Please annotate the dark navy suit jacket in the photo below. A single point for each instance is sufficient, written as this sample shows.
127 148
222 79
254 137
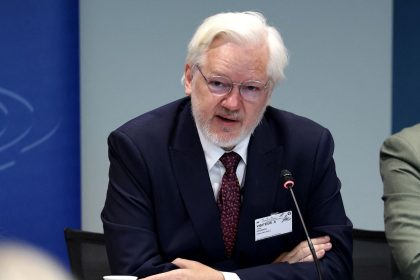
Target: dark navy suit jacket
160 204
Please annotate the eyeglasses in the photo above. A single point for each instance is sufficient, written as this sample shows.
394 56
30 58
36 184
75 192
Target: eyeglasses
249 90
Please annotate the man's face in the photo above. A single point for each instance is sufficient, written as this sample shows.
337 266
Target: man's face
226 120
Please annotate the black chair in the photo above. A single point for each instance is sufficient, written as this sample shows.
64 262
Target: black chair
371 255
87 254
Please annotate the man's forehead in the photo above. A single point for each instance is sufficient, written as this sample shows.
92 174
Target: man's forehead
231 56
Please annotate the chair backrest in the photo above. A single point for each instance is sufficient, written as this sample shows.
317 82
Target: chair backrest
87 254
371 255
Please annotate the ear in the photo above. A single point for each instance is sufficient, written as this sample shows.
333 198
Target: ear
188 79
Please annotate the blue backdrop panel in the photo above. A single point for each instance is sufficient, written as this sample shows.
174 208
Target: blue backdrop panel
39 122
406 64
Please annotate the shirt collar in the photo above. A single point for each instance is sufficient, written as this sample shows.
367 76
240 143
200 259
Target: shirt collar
213 152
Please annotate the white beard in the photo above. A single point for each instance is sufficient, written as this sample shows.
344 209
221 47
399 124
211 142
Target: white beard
224 142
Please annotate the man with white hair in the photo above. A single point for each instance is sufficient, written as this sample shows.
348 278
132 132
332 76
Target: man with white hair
195 186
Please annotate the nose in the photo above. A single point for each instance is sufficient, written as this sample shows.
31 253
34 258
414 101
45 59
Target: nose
232 100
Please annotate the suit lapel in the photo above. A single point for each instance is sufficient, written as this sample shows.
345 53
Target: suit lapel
193 180
261 184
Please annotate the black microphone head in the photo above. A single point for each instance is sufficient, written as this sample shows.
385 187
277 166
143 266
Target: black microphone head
287 179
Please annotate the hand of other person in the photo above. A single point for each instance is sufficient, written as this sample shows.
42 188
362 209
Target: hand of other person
188 270
302 253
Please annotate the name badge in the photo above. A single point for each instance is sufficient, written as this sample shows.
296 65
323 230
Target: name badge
273 225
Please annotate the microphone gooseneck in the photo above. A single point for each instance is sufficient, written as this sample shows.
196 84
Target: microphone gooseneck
288 183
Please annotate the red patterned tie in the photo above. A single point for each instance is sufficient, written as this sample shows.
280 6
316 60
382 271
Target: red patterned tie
229 200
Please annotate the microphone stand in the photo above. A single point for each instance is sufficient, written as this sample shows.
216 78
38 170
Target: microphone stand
311 246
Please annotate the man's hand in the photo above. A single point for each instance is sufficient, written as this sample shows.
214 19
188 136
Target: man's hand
188 270
192 270
302 253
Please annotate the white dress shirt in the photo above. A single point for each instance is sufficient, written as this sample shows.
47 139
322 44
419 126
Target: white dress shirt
216 170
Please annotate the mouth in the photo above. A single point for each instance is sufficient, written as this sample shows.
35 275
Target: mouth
227 119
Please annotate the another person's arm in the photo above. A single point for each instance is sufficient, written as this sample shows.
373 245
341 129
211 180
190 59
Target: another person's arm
400 171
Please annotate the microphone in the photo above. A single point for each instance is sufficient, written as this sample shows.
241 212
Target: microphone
288 183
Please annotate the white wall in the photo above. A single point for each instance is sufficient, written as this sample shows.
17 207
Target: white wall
132 58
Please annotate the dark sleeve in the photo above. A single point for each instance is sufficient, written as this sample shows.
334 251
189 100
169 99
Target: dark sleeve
324 214
127 216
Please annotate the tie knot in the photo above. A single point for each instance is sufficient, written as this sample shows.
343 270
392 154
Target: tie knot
230 161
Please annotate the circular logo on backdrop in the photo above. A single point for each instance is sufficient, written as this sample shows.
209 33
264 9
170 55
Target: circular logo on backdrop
20 130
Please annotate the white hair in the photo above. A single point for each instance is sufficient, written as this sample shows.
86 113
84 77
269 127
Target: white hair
21 261
243 27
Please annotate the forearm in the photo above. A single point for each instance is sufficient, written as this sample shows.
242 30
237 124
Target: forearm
284 271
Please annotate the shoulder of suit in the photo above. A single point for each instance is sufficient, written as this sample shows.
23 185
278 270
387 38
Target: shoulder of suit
158 116
409 137
411 133
290 118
